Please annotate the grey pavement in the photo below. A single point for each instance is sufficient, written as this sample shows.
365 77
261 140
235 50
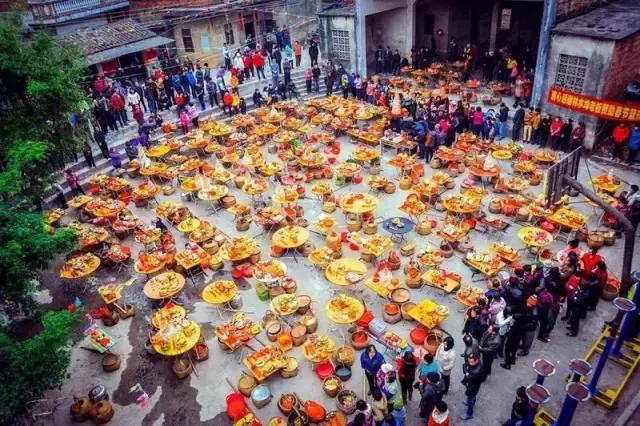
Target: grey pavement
199 399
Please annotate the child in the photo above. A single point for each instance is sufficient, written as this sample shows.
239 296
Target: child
184 121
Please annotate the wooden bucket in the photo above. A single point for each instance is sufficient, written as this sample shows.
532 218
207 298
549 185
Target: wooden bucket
329 207
273 330
522 215
102 412
291 369
354 224
609 238
611 289
405 308
595 240
331 386
246 384
298 334
310 322
435 163
181 368
495 206
111 362
228 201
80 410
433 340
405 183
304 304
287 410
370 227
400 296
390 188
423 227
344 355
359 340
391 313
413 279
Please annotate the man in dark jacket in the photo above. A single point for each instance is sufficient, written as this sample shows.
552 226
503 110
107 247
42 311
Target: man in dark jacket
489 344
431 392
519 408
503 116
313 53
518 121
379 60
473 378
565 134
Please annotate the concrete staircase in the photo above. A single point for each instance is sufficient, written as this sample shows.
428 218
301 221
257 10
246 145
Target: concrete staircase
118 139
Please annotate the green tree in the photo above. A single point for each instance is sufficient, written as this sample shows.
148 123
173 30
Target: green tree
29 367
25 248
39 91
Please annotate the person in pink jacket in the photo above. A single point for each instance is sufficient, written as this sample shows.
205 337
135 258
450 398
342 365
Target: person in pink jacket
184 121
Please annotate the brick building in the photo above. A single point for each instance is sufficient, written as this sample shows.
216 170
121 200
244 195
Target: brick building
200 27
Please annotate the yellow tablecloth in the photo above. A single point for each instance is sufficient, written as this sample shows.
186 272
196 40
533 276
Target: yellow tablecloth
362 203
186 336
337 270
164 286
168 315
290 237
428 313
71 269
534 237
344 309
220 291
188 225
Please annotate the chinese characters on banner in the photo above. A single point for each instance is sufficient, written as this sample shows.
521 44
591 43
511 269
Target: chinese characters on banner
608 110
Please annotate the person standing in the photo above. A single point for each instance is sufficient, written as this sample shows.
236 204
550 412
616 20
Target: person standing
275 73
117 106
73 181
297 52
101 140
439 415
371 361
379 406
407 375
577 136
488 346
286 68
473 378
431 392
330 77
276 57
536 119
313 53
565 134
634 144
518 121
308 79
519 409
503 116
555 129
379 60
529 322
620 137
116 159
226 54
247 61
528 125
88 155
258 62
446 359
212 91
512 342
544 131
316 78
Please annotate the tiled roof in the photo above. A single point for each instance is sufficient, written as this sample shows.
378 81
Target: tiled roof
115 34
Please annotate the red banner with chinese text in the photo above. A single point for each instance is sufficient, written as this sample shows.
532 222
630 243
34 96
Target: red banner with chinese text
609 110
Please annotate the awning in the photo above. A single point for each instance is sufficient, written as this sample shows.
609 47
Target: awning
136 46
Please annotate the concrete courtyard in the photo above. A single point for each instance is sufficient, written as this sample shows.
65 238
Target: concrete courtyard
200 399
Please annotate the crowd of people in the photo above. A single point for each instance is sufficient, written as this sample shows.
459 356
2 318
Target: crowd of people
504 324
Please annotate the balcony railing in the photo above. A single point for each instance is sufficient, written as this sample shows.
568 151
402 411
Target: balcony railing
49 11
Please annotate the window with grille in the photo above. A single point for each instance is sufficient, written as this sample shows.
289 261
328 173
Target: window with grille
505 19
571 74
187 41
340 40
228 34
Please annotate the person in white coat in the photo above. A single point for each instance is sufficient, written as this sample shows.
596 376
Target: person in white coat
446 359
133 98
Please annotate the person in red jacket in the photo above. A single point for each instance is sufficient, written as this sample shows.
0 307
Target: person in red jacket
117 106
248 65
258 63
227 100
620 137
556 128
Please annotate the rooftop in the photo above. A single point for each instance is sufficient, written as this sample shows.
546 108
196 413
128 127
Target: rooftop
114 39
342 11
615 21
